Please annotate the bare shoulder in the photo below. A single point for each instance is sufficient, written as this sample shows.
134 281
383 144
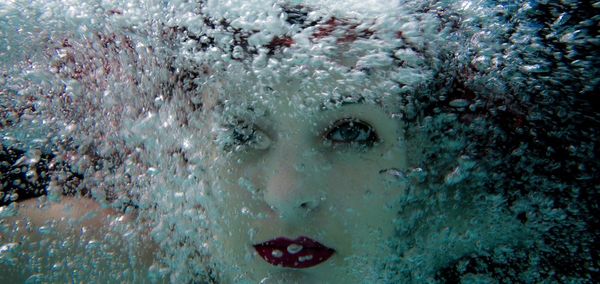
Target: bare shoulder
85 211
51 240
71 216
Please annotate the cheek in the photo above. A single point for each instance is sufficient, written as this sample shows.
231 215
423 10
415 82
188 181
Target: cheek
233 217
360 182
239 203
364 198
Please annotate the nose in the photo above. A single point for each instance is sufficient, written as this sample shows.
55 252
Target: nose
293 187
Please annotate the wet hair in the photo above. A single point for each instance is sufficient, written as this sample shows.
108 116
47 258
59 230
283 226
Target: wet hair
68 162
526 117
535 137
511 130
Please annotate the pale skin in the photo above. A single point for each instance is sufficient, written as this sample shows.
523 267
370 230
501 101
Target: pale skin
310 173
319 172
303 166
302 172
314 171
88 230
311 180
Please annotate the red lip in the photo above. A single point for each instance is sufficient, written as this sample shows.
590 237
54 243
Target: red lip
302 252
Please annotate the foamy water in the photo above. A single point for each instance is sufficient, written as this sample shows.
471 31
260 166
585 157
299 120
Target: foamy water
499 98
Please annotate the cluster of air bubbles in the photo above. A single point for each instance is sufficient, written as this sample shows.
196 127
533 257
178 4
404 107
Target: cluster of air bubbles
247 185
52 257
118 90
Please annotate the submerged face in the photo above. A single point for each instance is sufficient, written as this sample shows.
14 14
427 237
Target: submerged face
304 185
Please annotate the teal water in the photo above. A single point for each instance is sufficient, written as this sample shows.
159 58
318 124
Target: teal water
173 113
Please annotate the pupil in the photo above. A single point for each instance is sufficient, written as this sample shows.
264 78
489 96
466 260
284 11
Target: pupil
349 133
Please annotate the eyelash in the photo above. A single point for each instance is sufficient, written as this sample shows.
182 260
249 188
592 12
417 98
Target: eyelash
351 132
245 134
344 132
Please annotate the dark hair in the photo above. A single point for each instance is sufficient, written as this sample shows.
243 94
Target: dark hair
536 133
529 123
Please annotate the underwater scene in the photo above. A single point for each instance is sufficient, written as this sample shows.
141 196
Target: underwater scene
299 141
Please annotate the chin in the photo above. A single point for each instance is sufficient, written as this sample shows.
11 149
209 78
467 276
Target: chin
257 272
288 276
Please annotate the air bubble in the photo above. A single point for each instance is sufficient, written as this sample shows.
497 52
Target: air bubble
35 278
305 258
457 175
246 184
459 103
245 211
34 156
7 211
394 172
8 247
152 171
418 175
277 253
14 197
294 248
44 230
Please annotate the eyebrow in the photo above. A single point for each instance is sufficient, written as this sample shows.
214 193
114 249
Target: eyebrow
343 100
331 103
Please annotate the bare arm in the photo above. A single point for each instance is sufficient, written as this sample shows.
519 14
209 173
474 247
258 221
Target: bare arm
73 240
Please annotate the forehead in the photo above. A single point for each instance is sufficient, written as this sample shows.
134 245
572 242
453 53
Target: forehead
304 90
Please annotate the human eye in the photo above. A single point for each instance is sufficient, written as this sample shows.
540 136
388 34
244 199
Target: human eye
352 132
244 134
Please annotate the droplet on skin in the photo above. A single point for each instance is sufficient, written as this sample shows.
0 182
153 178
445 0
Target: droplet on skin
294 248
305 258
277 253
245 211
44 230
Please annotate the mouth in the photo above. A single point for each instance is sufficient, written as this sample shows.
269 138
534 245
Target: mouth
302 252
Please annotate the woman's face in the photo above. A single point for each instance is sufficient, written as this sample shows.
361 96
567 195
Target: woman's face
304 185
